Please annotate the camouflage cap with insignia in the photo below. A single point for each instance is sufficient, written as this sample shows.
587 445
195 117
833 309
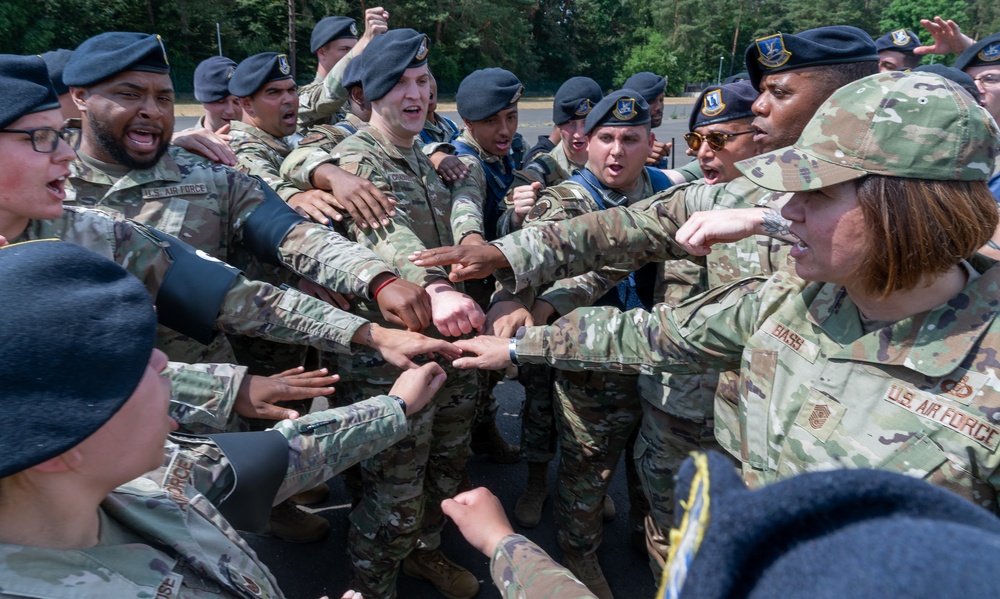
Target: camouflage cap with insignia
332 28
211 79
387 58
257 70
108 54
622 108
575 98
486 92
898 40
823 45
718 104
984 53
896 124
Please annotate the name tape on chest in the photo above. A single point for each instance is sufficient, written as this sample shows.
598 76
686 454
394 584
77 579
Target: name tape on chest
184 189
170 587
954 418
178 476
799 344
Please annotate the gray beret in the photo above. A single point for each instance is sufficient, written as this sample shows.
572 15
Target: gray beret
332 28
256 71
24 87
388 57
623 108
486 92
108 54
211 79
575 98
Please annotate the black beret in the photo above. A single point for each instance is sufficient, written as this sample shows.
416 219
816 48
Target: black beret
575 98
332 28
486 92
984 53
622 108
649 85
211 79
108 54
389 55
718 104
900 40
744 76
56 61
353 72
953 74
24 88
826 535
824 45
77 333
257 70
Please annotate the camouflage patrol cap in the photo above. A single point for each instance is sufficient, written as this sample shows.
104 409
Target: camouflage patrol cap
960 77
211 79
77 333
108 54
24 88
389 55
781 52
897 124
257 70
984 53
332 28
899 40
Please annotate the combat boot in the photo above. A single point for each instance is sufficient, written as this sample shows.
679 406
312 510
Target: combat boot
608 509
317 494
528 510
486 439
450 579
587 570
291 523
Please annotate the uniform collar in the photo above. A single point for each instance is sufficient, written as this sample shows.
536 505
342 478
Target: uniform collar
165 169
483 154
264 137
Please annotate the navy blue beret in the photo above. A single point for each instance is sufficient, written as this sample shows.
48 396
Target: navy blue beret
389 55
486 92
984 53
575 98
353 72
622 108
211 79
56 61
77 334
649 85
718 104
108 54
332 28
824 45
826 535
899 40
953 74
257 70
744 76
24 88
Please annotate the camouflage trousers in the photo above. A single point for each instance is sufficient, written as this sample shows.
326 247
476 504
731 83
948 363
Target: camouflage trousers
538 425
596 414
486 403
403 486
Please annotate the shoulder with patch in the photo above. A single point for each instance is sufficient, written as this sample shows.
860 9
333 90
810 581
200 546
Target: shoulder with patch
320 135
564 198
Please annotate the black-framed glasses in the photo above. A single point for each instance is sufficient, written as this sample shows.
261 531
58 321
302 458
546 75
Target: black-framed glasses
45 140
715 139
988 80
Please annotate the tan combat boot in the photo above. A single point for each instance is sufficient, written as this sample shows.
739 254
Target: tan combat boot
486 439
290 523
317 494
528 510
587 570
450 579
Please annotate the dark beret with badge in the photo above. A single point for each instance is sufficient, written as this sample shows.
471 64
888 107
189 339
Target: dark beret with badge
211 79
353 72
648 85
622 108
257 70
900 40
77 334
781 52
575 98
486 92
953 74
984 53
25 88
826 535
56 61
108 54
332 28
388 57
744 76
718 104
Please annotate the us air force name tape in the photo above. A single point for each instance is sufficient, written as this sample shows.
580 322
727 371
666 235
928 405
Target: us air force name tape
211 79
486 92
332 28
574 99
108 54
26 87
387 58
622 108
646 84
193 290
984 53
899 40
56 61
257 70
720 104
813 47
268 225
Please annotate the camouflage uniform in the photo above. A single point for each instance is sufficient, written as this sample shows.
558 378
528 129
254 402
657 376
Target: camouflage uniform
443 131
260 155
549 168
206 205
159 538
404 486
321 102
521 569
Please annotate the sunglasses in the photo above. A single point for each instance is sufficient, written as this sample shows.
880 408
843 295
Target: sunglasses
715 139
45 140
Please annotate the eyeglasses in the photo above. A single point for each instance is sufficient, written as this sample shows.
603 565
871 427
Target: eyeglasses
45 140
988 80
715 139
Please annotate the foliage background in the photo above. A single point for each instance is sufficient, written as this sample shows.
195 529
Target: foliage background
543 41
